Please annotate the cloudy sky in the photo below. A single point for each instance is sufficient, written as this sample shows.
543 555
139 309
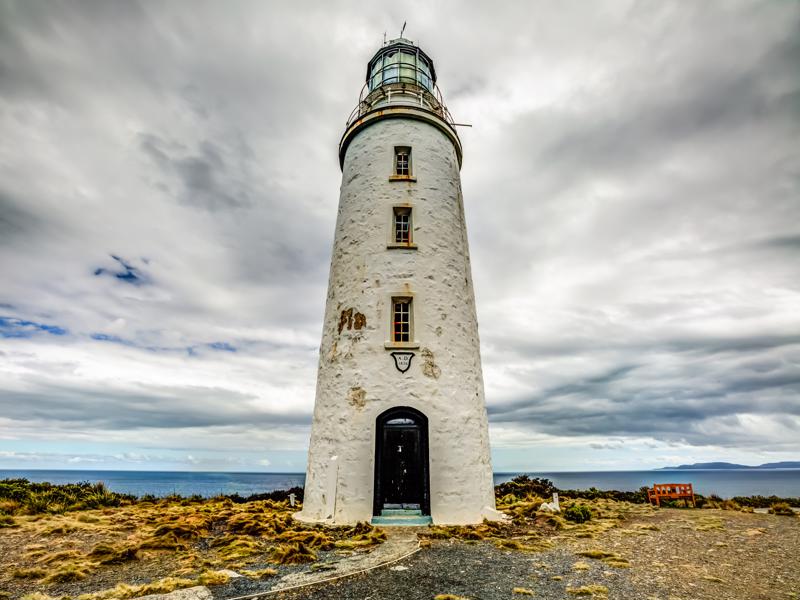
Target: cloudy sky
168 192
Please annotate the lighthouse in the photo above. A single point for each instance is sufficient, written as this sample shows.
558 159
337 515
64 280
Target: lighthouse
400 431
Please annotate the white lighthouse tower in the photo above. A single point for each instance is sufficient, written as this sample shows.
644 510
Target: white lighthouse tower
400 429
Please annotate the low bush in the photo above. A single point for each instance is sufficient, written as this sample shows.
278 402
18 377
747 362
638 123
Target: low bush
578 513
781 508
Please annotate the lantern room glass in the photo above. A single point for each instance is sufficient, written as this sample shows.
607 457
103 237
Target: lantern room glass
400 66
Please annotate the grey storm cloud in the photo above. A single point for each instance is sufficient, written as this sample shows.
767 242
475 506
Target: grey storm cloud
631 188
152 407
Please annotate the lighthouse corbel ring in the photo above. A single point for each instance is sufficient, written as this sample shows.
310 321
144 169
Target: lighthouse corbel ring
399 112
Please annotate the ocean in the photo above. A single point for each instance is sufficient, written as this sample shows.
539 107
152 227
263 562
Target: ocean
725 483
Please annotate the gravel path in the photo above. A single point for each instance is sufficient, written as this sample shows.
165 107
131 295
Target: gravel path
478 571
673 555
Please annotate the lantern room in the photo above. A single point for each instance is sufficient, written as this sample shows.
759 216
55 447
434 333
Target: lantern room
400 61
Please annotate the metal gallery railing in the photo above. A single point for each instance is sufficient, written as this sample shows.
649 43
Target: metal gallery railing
400 83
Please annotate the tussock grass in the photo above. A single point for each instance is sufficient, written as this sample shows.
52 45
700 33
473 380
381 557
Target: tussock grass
589 590
709 524
612 559
8 521
259 573
292 554
107 554
32 573
312 539
67 573
233 548
781 508
521 591
87 518
213 578
61 556
203 535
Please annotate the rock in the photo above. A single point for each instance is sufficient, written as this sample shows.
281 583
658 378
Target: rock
231 574
198 592
398 568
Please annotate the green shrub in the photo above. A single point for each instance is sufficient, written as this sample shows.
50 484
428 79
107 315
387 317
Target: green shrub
781 508
578 513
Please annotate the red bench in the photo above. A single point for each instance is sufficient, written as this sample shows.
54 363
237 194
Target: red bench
670 491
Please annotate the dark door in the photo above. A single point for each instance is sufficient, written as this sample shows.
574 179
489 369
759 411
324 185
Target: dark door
401 477
400 483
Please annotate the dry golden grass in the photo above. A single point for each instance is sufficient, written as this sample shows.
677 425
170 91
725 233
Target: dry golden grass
292 554
710 524
259 573
589 590
521 591
192 540
612 559
449 597
67 572
31 573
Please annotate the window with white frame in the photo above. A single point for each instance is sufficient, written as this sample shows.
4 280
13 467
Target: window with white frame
402 225
401 319
402 161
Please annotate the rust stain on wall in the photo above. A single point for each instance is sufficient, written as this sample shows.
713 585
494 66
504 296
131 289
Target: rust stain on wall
352 319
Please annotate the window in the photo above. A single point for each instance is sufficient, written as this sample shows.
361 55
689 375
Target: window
402 161
401 319
402 225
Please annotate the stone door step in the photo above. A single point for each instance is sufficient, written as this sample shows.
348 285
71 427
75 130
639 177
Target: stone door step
409 520
400 512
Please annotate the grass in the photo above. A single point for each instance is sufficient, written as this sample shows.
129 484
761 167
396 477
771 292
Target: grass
710 524
31 573
781 508
449 597
108 554
67 573
612 559
259 573
522 591
197 538
589 590
293 554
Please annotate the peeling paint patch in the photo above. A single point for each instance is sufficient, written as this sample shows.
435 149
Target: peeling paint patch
357 397
429 367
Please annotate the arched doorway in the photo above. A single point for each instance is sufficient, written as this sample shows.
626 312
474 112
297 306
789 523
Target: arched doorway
401 461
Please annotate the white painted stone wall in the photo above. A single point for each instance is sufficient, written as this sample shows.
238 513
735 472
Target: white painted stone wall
357 377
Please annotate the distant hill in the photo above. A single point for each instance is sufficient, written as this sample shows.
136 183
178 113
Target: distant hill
787 464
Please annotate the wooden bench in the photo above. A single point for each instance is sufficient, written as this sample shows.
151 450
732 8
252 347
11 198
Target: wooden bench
670 491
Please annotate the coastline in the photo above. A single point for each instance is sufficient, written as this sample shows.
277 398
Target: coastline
83 541
726 483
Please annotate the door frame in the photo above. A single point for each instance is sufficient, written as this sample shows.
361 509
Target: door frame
422 422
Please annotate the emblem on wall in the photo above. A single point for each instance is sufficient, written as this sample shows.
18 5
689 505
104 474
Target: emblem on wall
402 360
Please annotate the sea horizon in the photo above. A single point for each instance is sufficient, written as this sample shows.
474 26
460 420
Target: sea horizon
726 483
